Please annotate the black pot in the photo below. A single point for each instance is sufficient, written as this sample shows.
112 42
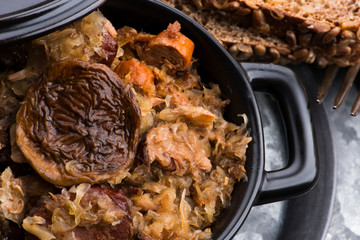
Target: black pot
238 83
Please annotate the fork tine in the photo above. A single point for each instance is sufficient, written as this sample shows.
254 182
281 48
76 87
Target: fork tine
346 85
328 79
356 107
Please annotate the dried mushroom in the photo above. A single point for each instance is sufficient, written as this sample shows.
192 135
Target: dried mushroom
79 123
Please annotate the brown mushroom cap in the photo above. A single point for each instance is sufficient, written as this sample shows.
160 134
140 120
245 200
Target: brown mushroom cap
80 123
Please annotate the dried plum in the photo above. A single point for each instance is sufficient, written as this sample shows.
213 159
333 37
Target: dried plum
79 123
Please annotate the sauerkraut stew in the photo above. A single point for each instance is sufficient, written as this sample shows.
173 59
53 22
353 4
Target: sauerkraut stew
110 134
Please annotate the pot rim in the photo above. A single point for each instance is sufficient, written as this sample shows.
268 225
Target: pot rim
237 84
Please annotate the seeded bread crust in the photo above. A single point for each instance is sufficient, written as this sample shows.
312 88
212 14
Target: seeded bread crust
290 31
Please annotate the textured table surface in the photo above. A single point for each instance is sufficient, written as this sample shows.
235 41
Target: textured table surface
265 222
345 222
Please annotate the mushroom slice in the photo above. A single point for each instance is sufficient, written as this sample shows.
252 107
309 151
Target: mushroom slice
79 123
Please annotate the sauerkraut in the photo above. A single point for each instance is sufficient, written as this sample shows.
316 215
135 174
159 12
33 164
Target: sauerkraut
188 157
83 207
83 40
12 196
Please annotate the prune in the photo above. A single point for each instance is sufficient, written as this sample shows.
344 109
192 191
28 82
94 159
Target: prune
79 123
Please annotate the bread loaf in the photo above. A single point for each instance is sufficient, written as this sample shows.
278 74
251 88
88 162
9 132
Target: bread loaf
321 32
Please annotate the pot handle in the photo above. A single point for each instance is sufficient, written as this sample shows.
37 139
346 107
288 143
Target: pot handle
301 173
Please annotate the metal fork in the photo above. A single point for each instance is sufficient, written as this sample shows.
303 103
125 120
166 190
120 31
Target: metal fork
346 85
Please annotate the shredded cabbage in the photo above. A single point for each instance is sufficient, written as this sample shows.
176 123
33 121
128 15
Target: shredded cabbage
72 208
82 40
36 226
12 196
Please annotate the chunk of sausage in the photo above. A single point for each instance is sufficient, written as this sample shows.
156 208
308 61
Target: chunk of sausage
170 46
105 202
138 75
122 230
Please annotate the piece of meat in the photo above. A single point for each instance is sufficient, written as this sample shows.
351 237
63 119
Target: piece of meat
137 75
109 45
100 228
178 99
80 123
170 46
122 230
132 42
109 49
178 148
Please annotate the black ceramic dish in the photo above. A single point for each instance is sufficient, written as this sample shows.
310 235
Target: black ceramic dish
238 84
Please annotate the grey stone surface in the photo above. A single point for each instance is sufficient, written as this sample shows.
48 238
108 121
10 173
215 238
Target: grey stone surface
345 222
265 222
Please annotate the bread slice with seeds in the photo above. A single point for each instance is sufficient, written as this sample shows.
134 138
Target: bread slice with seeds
324 32
240 43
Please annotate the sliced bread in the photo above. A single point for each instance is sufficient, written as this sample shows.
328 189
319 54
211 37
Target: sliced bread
324 32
